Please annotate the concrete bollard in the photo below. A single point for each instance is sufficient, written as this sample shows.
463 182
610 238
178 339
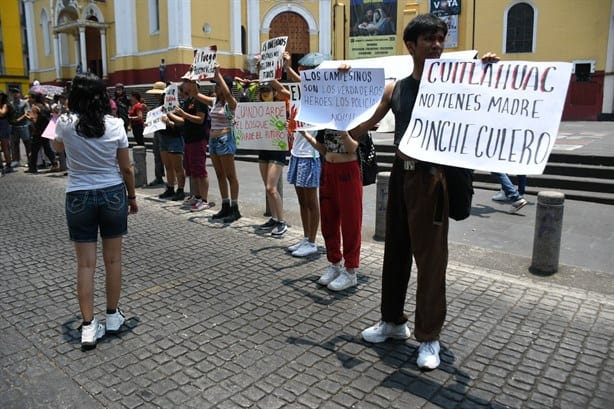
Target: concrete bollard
381 201
548 229
280 189
140 166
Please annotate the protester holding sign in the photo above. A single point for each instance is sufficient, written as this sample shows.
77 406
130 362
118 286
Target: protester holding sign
192 117
340 206
171 149
222 147
304 173
271 165
417 212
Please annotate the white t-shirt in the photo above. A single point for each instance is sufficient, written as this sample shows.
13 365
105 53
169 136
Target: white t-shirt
92 162
303 149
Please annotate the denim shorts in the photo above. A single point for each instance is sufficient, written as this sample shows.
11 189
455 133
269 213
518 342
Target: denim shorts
304 172
223 144
89 210
171 144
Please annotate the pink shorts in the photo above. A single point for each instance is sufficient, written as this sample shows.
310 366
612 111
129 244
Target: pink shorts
195 159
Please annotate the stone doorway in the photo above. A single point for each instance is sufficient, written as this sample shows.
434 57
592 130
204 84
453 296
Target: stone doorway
296 28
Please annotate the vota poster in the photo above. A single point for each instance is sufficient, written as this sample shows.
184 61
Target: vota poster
373 28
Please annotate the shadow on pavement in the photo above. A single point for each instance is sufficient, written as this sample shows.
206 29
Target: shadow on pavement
71 330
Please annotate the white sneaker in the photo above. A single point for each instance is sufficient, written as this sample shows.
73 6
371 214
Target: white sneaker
296 246
428 355
517 205
500 196
90 334
115 321
305 250
332 272
381 331
344 281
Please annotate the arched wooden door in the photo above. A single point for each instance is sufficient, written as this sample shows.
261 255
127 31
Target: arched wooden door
296 28
93 49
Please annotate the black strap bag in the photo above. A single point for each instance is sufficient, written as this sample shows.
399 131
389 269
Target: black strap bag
460 191
368 159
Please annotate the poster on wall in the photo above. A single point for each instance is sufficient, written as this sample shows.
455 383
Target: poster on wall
372 28
442 8
451 40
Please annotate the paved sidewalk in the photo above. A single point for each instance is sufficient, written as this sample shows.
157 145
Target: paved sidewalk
220 316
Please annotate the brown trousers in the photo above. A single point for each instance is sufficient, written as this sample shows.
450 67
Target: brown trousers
416 224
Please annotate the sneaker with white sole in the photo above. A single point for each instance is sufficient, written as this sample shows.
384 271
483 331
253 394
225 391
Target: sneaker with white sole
428 355
344 281
115 321
332 272
280 228
90 334
306 250
381 331
296 246
269 225
517 205
500 196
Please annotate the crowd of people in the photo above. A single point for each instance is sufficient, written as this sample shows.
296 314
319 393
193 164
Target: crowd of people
101 191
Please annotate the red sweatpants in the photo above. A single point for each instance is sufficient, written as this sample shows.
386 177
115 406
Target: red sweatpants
341 211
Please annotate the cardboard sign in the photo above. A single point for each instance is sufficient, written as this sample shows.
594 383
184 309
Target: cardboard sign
203 66
295 105
261 126
271 58
171 97
153 122
340 100
502 117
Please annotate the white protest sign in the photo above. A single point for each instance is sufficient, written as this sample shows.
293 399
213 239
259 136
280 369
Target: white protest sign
271 59
295 104
395 68
153 121
502 117
339 100
261 126
171 97
203 66
49 131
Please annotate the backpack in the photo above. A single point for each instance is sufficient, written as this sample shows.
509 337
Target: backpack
368 159
460 191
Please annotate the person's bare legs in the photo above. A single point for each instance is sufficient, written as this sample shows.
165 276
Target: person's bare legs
220 175
228 165
310 211
112 256
86 265
176 163
270 173
168 166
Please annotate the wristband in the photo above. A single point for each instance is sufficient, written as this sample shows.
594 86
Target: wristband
131 197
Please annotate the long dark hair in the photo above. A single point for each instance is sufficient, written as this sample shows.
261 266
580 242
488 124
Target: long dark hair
89 100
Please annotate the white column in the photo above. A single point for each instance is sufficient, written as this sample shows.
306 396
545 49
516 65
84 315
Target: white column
56 55
253 27
31 34
103 49
608 81
325 24
77 51
83 51
235 27
179 23
125 28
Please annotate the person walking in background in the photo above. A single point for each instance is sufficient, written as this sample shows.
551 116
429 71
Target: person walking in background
340 206
20 127
122 104
40 115
193 118
509 193
304 173
223 146
136 115
5 132
271 165
99 174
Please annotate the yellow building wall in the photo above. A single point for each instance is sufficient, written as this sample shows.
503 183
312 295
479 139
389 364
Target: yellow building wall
566 30
14 69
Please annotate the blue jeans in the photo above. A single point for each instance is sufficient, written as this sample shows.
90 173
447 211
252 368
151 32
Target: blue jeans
508 187
89 210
